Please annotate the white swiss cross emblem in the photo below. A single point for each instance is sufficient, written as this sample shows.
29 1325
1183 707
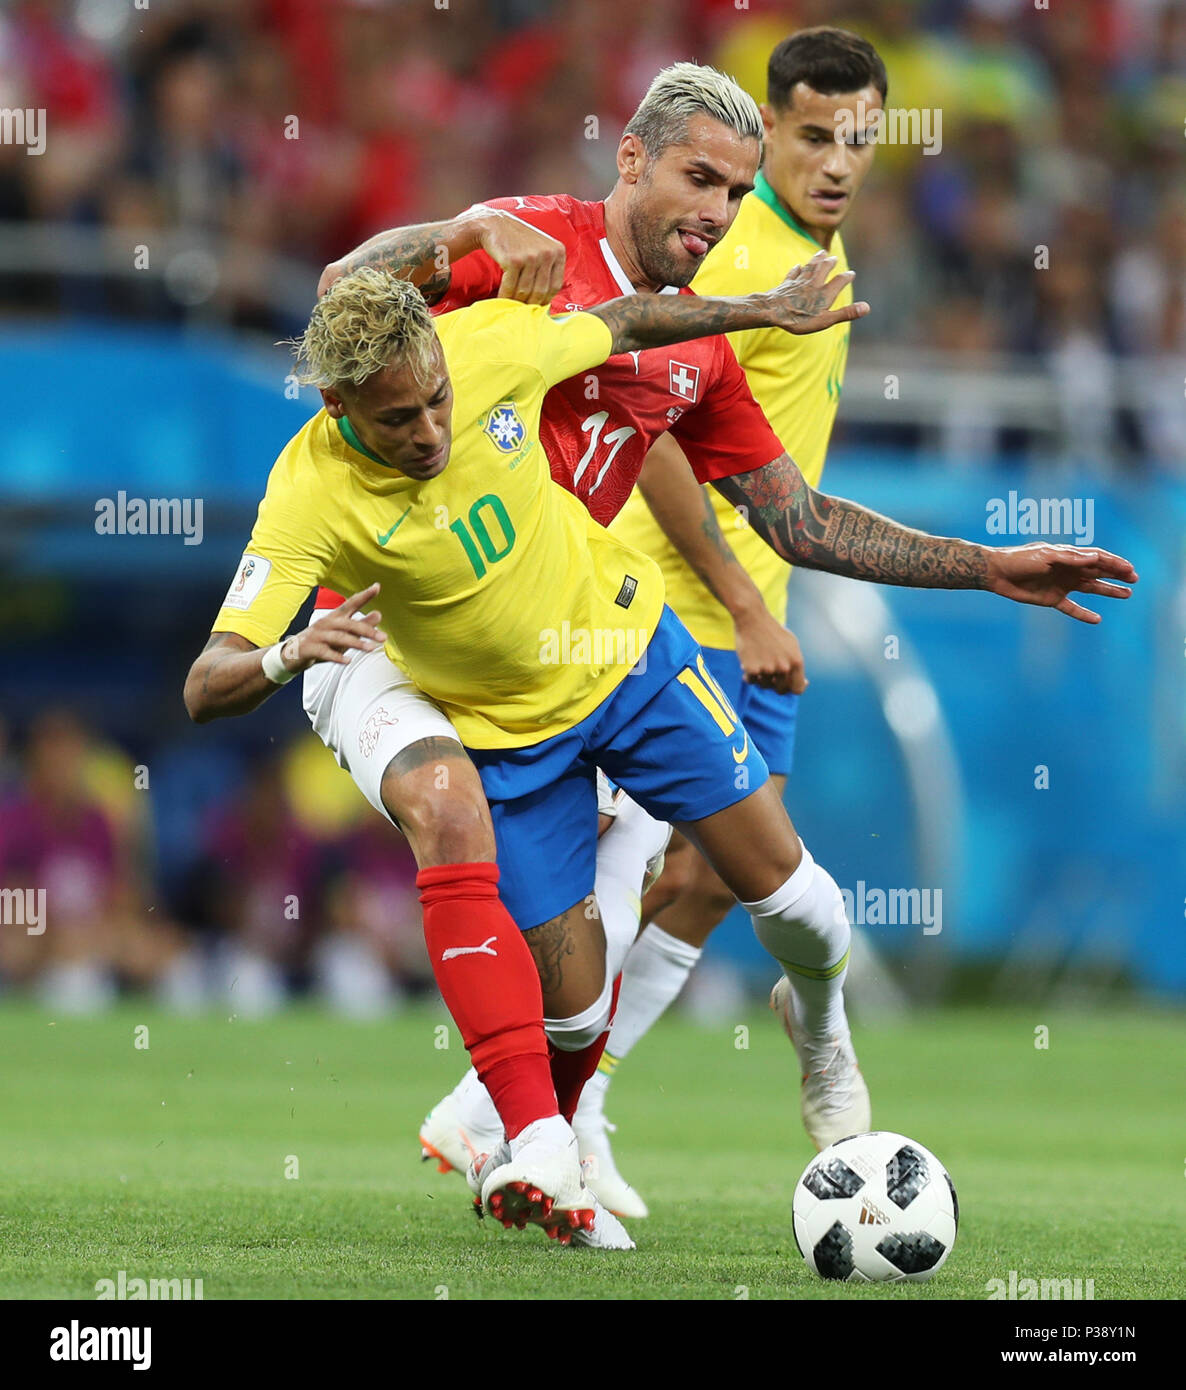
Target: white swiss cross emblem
684 381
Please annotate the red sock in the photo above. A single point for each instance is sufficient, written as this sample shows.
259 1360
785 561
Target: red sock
490 986
570 1070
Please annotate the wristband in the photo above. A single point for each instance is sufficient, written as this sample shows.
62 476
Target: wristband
274 667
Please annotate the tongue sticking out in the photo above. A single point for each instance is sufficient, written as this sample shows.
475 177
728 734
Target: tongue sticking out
693 244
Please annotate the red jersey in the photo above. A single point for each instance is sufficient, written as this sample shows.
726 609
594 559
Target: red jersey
597 428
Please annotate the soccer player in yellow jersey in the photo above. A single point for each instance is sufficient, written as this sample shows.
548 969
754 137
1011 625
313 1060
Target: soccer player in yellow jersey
423 486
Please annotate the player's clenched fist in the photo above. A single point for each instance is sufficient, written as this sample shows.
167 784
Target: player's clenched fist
769 653
333 637
532 262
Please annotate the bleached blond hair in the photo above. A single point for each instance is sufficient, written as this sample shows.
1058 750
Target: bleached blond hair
685 90
366 321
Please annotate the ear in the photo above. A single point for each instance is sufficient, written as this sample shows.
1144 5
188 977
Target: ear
632 158
333 404
768 118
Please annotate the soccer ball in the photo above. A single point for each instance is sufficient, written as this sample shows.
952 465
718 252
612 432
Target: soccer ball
875 1208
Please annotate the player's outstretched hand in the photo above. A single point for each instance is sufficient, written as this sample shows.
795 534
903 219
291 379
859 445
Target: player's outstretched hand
1048 574
532 262
805 297
331 638
769 654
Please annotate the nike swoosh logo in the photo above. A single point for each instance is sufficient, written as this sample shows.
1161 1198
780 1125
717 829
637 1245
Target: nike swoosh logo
384 539
741 757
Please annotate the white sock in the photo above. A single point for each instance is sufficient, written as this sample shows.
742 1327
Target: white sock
655 972
583 1029
804 927
475 1110
632 839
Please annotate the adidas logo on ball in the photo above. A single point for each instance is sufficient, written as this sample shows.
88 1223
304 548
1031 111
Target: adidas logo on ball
871 1215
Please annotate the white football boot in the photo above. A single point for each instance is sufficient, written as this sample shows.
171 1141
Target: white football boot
606 1232
834 1101
461 1126
597 1159
540 1184
478 1165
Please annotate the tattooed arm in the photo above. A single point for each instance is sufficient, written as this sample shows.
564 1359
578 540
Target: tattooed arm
769 654
820 532
532 262
801 304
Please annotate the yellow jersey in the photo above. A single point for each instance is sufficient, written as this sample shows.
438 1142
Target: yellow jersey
503 600
796 381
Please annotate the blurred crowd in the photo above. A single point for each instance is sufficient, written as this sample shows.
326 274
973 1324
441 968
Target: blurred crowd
231 137
292 129
203 878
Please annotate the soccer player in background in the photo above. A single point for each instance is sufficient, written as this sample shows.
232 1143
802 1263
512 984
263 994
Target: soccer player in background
825 90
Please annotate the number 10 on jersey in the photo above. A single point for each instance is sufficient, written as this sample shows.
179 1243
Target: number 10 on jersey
476 540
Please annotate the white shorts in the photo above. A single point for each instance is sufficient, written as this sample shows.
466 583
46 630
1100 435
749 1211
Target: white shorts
366 712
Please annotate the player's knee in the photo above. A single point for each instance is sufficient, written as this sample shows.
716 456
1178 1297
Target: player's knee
573 1034
443 825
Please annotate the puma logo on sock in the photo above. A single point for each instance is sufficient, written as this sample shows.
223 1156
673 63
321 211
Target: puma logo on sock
484 949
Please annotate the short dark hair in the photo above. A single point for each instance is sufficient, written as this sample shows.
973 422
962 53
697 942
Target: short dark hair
828 60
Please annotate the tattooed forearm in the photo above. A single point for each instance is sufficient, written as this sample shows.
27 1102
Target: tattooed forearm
654 320
217 639
801 304
413 253
723 551
817 531
549 945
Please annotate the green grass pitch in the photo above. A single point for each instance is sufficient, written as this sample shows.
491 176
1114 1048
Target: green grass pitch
170 1161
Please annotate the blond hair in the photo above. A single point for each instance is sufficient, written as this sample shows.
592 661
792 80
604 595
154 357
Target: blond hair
685 90
366 321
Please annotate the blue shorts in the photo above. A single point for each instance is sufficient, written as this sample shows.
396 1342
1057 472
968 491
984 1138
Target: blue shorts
769 716
665 734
